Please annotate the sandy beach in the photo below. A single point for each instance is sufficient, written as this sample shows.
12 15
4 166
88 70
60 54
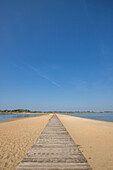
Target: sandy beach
94 138
16 137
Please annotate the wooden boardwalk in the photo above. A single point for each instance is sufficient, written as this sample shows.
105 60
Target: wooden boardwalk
54 150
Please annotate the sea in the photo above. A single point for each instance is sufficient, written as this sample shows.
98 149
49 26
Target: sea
97 116
6 117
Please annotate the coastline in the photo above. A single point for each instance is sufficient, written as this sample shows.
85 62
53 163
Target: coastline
93 137
7 113
85 118
11 120
17 136
52 112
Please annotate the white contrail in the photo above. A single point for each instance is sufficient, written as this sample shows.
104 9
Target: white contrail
43 76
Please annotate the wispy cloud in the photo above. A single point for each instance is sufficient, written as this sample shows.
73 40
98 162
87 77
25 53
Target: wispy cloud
43 76
36 71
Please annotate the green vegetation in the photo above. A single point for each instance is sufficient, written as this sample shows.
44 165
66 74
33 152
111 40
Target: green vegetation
16 110
29 111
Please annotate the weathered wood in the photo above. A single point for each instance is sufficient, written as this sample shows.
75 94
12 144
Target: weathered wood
54 150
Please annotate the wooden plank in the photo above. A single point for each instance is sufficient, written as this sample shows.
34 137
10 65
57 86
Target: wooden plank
54 149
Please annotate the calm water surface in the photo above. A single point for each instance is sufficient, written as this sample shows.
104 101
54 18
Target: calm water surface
96 116
5 117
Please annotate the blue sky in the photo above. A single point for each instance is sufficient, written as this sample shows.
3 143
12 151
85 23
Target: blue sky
56 54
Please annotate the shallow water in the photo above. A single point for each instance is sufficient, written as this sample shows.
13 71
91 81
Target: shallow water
96 116
5 117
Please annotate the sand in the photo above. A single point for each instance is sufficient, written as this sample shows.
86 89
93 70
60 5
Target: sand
16 138
94 138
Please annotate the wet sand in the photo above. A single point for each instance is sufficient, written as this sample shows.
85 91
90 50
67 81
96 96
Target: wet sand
16 137
94 138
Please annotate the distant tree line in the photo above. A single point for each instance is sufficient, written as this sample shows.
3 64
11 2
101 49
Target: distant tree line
16 110
29 111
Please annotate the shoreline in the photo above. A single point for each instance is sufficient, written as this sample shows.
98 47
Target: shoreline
43 114
22 118
86 118
93 137
52 112
16 138
8 113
